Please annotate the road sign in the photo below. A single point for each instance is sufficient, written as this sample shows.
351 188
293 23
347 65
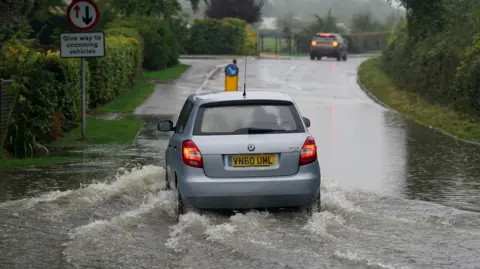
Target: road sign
82 45
82 14
231 78
231 70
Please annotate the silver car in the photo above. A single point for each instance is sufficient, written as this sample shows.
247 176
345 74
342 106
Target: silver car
230 151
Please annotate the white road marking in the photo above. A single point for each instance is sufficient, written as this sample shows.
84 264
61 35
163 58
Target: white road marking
286 76
208 77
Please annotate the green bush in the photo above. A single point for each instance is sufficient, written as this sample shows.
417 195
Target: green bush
127 32
48 89
213 36
115 72
467 80
179 27
444 66
364 43
251 41
132 33
161 49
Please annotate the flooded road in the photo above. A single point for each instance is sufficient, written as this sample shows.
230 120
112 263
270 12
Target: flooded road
396 194
102 162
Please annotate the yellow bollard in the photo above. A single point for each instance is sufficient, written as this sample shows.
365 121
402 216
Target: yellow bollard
231 78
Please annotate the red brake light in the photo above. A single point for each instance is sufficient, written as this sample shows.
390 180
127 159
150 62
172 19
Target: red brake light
325 35
309 151
191 155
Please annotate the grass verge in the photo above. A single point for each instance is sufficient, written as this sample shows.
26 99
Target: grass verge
101 132
133 97
129 100
377 82
166 74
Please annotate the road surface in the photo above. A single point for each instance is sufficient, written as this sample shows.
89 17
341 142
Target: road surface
396 194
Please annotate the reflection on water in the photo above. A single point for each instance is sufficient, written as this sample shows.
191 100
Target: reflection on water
394 137
442 169
364 147
359 146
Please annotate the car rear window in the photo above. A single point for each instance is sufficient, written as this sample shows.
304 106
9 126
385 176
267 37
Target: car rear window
247 118
324 38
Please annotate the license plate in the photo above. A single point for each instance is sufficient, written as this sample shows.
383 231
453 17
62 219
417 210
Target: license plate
324 44
260 160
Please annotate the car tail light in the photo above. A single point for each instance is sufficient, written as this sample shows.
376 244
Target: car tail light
314 43
191 154
325 35
335 43
308 154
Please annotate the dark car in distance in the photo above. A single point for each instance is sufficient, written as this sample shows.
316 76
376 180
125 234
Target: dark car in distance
328 45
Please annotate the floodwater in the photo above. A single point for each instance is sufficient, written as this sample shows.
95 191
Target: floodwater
396 194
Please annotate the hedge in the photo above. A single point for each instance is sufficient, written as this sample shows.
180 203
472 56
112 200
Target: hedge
161 48
443 67
467 79
115 72
251 41
179 26
127 32
219 37
48 87
48 97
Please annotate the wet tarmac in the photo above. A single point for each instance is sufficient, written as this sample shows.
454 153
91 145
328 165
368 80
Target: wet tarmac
396 194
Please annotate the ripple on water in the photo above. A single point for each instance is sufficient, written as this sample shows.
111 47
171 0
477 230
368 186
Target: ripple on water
130 224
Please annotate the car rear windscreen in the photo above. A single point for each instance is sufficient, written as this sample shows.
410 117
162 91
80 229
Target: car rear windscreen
248 118
324 39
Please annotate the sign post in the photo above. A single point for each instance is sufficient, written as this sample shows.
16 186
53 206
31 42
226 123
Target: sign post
83 15
231 78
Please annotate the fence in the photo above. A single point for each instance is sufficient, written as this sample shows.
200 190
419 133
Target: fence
6 104
300 45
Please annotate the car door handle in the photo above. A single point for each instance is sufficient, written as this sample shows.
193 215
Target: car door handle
174 147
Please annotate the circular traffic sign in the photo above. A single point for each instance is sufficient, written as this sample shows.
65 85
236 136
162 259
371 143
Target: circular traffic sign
231 70
82 14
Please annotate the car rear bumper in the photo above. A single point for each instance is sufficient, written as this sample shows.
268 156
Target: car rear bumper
203 192
324 52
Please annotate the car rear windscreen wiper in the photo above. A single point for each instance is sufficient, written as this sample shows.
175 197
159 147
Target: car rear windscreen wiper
252 130
264 130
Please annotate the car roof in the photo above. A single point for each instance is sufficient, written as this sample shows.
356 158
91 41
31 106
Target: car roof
238 96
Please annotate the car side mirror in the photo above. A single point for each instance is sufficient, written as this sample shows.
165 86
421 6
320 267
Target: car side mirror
165 126
306 121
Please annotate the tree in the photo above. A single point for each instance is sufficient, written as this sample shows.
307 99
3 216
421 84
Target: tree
247 10
326 25
393 20
148 7
294 21
364 22
330 23
424 17
13 17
